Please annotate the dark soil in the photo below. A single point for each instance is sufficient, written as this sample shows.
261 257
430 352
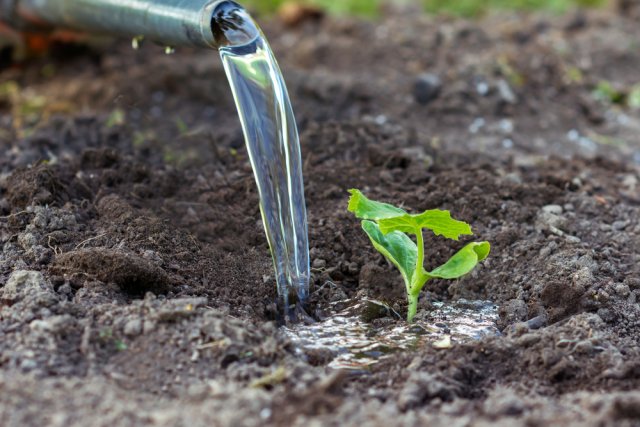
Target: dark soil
135 280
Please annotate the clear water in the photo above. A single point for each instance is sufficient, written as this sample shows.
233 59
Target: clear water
271 137
357 345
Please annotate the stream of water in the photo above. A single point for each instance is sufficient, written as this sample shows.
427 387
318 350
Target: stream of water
271 137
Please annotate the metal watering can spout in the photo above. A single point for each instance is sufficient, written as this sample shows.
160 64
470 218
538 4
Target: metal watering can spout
195 23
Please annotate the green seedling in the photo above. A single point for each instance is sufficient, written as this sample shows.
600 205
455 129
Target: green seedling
389 228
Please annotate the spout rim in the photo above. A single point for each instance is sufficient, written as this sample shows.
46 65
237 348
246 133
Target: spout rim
232 28
205 23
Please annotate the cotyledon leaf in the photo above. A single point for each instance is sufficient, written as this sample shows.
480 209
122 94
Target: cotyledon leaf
397 247
436 220
462 262
365 208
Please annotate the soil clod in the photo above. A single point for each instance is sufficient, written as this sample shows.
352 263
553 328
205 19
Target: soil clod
133 274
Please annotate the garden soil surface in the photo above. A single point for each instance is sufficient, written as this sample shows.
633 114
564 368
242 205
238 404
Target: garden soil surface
136 285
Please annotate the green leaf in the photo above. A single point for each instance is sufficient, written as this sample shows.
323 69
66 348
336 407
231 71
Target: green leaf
436 220
462 262
397 247
364 208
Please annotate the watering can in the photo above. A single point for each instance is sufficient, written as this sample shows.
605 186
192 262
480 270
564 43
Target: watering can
195 23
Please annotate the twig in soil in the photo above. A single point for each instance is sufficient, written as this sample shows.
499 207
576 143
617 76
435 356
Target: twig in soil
56 250
89 240
231 316
328 282
271 379
220 344
14 214
194 240
13 236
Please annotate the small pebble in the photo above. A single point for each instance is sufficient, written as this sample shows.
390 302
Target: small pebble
482 88
28 365
506 126
527 340
576 182
620 225
149 326
506 93
573 239
265 413
513 178
133 327
553 209
426 88
444 343
573 135
584 347
537 322
507 143
198 391
477 124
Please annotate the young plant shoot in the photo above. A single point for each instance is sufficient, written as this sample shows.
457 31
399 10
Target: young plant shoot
389 228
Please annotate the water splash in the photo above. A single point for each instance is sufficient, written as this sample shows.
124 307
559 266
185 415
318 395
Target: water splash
358 345
272 141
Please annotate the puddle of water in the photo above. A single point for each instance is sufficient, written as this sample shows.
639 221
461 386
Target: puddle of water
358 345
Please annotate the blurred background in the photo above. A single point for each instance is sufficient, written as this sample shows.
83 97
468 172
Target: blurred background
15 47
575 54
467 8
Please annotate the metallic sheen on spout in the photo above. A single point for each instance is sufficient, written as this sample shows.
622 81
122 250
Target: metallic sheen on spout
169 22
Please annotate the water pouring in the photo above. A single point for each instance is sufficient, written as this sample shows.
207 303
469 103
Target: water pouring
259 90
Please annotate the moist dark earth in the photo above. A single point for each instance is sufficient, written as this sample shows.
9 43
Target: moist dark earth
136 285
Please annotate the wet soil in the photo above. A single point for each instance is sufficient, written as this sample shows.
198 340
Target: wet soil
136 284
